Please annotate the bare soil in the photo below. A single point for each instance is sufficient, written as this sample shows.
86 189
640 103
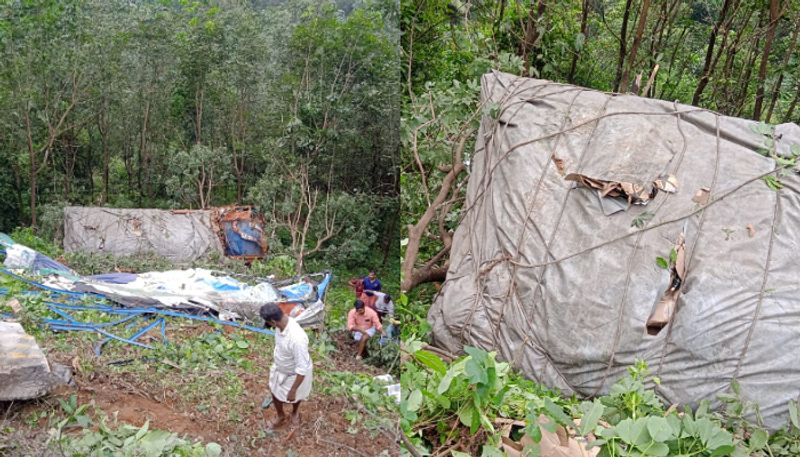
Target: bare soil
325 429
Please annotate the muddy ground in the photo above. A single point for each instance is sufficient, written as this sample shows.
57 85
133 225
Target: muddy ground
205 402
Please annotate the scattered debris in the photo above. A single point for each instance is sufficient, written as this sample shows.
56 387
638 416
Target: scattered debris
701 196
633 193
751 231
561 443
143 301
16 308
392 390
665 308
560 165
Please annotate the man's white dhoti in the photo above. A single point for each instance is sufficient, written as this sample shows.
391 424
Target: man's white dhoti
281 383
291 358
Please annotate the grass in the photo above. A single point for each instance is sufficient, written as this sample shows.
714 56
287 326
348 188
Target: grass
215 374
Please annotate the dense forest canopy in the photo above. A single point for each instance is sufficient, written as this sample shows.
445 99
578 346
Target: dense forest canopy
737 57
291 106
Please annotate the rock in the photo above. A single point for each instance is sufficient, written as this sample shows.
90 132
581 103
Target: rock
24 371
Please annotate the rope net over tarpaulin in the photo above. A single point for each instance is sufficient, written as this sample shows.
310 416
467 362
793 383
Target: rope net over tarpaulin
600 229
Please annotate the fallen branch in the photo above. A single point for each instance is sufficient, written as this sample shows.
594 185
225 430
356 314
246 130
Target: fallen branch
409 445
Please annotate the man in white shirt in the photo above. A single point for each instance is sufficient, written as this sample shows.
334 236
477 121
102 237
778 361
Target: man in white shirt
290 375
382 303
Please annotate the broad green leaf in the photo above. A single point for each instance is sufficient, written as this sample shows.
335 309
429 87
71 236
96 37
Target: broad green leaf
475 372
212 450
242 344
724 451
590 419
556 412
793 414
431 360
758 439
662 263
659 429
657 449
451 374
154 443
414 400
633 432
459 454
491 451
466 414
142 431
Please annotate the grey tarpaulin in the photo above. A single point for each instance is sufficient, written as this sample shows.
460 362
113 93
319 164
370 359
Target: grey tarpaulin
179 236
541 274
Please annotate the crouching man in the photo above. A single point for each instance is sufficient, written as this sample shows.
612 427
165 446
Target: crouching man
364 323
290 375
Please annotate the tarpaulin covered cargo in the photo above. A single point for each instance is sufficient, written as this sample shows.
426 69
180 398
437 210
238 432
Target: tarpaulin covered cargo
182 236
179 235
602 228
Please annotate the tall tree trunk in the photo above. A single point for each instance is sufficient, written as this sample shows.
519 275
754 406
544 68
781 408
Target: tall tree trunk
143 149
744 78
774 16
623 44
576 56
790 111
707 67
106 162
102 128
535 14
671 63
198 106
789 52
34 167
637 40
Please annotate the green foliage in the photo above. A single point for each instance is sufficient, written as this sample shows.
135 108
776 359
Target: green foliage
196 173
630 420
474 390
210 351
127 440
281 265
118 439
27 237
164 104
642 219
373 408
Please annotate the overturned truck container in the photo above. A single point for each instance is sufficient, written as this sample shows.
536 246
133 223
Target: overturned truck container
603 228
179 235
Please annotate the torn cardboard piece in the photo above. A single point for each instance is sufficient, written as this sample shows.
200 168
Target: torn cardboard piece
665 308
561 443
633 193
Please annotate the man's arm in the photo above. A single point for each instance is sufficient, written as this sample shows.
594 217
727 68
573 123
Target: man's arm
302 367
351 320
293 391
376 322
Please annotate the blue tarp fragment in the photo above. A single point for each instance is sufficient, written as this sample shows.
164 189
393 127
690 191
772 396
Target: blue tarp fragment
114 278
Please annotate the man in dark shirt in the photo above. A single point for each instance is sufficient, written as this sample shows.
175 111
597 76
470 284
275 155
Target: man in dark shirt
371 282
